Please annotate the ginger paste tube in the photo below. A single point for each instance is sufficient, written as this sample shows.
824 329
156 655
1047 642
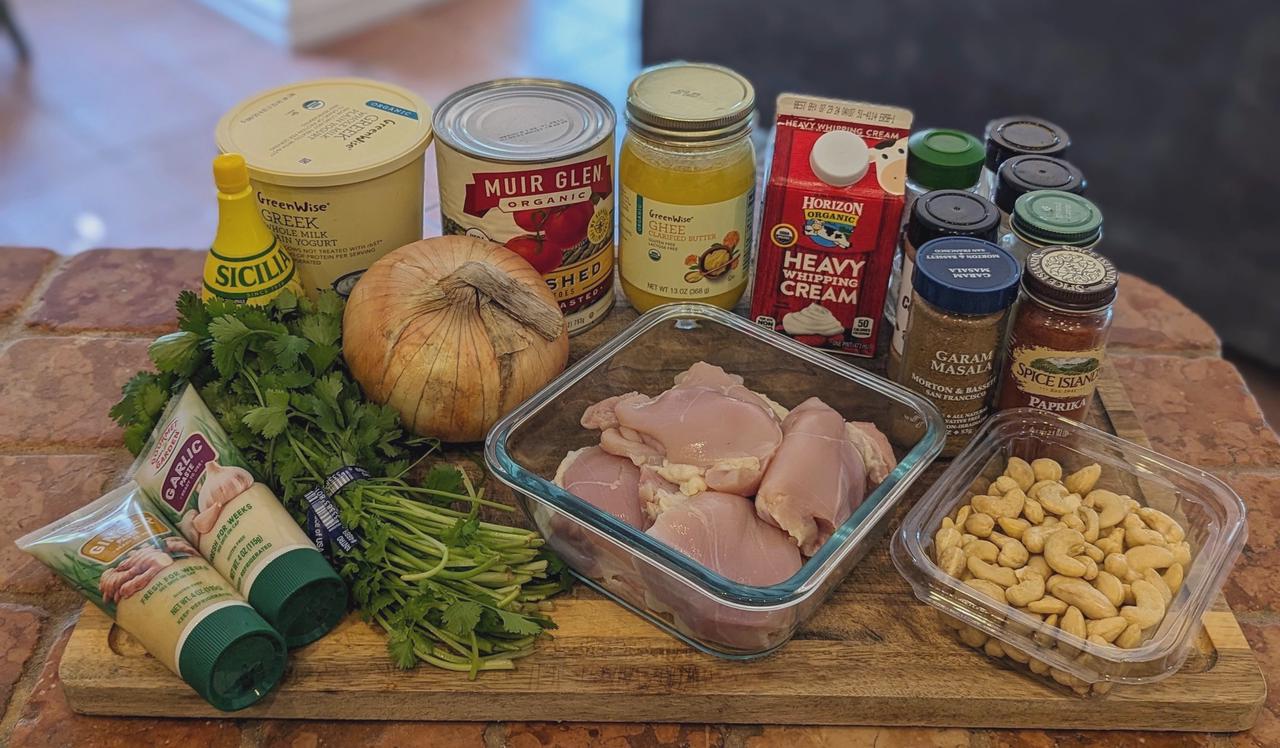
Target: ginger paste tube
126 559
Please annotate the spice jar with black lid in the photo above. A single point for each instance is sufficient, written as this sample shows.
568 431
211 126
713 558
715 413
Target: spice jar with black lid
1052 218
1018 136
1022 174
1058 334
934 215
962 291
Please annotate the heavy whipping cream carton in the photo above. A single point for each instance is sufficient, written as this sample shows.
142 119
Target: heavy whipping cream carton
832 209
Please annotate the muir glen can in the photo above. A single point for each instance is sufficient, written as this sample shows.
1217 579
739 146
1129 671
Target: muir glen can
528 163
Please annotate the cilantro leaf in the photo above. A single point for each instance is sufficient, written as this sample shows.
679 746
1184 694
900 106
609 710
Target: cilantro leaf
444 477
514 623
330 303
461 617
400 647
321 330
287 348
270 420
230 338
193 316
463 532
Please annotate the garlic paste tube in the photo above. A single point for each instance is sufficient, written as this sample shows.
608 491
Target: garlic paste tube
196 478
126 559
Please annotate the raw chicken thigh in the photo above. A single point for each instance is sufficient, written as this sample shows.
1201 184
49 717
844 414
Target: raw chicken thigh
877 454
721 532
605 481
816 479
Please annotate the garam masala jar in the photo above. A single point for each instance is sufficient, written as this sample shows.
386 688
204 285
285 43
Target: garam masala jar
687 177
1058 336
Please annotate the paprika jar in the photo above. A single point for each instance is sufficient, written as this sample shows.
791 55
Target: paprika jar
687 177
1058 336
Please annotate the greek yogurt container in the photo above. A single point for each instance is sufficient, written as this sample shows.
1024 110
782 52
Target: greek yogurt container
672 591
337 168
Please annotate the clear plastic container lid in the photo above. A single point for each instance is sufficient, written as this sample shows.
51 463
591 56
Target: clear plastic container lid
1211 513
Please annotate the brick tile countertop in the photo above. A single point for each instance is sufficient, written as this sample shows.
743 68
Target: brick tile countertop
72 329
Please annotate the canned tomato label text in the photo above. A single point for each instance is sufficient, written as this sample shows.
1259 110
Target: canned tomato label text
529 164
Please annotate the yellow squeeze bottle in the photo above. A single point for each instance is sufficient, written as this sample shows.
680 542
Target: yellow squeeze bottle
245 262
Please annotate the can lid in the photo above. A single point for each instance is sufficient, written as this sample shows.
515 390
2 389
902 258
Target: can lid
690 101
521 120
1014 136
300 595
1056 217
1022 174
326 132
232 657
1071 277
942 159
951 213
839 158
964 275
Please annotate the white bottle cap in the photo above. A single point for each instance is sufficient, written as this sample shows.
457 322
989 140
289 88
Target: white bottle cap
839 158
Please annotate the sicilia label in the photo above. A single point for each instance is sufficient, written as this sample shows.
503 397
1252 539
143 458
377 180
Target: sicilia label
122 536
1055 374
245 278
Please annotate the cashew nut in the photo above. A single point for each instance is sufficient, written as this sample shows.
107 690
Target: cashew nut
1020 471
1017 655
1110 506
1091 525
1012 553
1082 595
1162 523
1107 628
1003 485
1173 578
1072 622
979 524
1046 469
1038 667
952 561
973 637
1182 553
990 589
1136 533
1034 491
962 514
1034 537
1130 637
1148 557
983 549
1110 586
1032 510
1074 521
1094 552
1059 550
1113 542
1029 588
1149 609
947 537
1153 578
1047 605
1055 499
1090 566
984 571
993 648
1083 480
1009 505
1039 566
1117 564
1043 637
1013 527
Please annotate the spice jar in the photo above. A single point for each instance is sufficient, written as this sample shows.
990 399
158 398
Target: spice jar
937 159
1051 218
1058 336
687 176
1017 136
935 214
962 290
1022 174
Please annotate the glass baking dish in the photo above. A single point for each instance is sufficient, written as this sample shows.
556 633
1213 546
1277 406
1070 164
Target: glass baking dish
1212 515
702 608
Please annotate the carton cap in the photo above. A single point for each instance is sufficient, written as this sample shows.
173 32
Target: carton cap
839 158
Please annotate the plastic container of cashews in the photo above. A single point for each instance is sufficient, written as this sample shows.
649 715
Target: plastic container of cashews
1210 519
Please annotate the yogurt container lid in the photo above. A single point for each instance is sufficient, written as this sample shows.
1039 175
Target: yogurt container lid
327 132
524 120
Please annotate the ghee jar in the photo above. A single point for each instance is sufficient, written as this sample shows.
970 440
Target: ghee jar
687 177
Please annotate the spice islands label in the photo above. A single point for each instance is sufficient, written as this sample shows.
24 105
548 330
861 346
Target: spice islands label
1053 374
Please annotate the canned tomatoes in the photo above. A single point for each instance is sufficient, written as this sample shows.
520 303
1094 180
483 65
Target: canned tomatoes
528 163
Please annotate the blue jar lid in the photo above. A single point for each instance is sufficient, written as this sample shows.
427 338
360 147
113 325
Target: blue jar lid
964 275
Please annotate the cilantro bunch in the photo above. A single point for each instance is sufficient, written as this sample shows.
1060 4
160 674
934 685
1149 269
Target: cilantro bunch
450 589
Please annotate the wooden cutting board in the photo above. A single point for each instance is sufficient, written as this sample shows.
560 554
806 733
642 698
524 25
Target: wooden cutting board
872 655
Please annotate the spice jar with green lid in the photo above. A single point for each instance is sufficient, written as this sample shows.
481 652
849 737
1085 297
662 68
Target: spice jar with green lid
1048 218
936 214
1023 174
1058 334
962 290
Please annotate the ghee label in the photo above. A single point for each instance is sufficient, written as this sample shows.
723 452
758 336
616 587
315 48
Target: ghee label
683 252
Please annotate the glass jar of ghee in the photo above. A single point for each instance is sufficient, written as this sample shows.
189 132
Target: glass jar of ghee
687 177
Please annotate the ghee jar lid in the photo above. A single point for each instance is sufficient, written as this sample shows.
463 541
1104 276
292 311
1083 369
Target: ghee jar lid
327 132
690 101
521 120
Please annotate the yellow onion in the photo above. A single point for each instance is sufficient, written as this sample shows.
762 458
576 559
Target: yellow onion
453 332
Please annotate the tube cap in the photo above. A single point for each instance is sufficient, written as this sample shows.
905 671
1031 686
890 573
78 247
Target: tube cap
951 213
1014 136
1056 217
300 595
944 159
1022 174
839 158
963 275
232 657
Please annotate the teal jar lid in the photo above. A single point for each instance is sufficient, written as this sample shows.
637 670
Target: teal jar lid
300 595
942 159
232 657
1056 217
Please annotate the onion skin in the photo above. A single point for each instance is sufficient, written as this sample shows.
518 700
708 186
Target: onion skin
420 337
